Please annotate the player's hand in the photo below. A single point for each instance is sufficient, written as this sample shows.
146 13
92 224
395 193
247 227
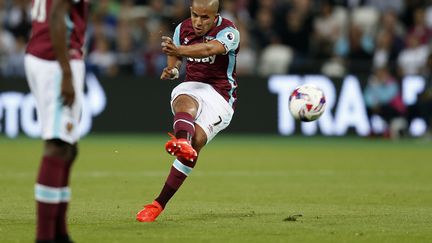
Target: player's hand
168 46
169 73
67 89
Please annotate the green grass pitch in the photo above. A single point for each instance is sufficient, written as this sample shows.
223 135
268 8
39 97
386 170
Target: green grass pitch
242 190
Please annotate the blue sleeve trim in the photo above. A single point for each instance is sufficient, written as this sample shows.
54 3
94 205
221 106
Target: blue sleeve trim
230 38
176 37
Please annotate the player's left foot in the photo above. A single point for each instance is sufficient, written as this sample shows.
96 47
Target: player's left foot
181 147
150 212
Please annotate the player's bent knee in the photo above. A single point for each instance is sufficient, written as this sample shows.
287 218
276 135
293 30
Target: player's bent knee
185 103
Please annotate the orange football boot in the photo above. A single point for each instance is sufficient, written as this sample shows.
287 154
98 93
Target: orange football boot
181 147
150 212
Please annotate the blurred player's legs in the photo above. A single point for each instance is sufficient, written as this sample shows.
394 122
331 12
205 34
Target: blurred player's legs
199 114
62 234
60 133
52 191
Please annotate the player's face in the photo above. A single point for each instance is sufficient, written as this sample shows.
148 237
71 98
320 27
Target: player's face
203 19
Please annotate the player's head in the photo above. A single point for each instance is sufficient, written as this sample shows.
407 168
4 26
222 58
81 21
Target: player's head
204 15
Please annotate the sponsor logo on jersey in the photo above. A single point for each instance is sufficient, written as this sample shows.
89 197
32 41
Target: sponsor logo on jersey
210 59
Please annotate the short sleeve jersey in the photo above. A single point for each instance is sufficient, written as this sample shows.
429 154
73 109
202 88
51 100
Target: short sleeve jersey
40 44
219 70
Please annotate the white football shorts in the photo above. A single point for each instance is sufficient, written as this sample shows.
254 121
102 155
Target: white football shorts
214 113
44 78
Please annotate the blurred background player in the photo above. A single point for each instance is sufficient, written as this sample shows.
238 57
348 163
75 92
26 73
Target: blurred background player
203 104
422 108
383 98
55 73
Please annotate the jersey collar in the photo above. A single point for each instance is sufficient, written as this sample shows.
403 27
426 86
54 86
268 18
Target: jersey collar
219 22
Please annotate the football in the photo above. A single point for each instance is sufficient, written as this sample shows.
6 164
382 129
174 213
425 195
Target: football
307 103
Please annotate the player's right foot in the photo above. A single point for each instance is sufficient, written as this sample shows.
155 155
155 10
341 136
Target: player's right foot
181 147
150 212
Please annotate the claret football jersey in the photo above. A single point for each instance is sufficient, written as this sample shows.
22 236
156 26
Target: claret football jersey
219 70
40 41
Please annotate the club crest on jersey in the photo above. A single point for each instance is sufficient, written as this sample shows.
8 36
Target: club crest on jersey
69 127
185 41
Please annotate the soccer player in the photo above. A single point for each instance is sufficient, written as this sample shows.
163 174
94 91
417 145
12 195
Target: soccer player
55 74
203 104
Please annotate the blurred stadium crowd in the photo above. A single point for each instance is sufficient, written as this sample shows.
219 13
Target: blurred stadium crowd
333 37
383 39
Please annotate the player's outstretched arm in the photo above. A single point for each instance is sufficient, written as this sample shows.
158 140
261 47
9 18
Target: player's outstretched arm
200 50
59 10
